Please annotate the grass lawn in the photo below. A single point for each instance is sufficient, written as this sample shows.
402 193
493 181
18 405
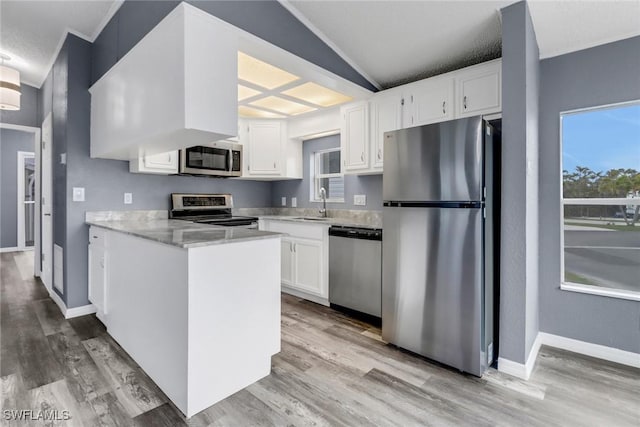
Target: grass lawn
576 278
607 226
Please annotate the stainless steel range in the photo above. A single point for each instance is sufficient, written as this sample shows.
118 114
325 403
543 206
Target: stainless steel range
214 209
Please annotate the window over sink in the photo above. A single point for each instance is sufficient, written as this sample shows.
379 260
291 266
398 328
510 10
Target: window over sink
326 173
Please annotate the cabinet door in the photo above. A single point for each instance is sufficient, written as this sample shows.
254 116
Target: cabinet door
386 115
97 277
265 147
286 260
479 91
307 255
164 161
354 136
429 101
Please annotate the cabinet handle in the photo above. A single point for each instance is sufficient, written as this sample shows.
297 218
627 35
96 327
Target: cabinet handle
294 247
274 165
379 154
290 247
464 102
444 111
362 156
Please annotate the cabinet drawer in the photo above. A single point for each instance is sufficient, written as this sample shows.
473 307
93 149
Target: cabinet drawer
293 229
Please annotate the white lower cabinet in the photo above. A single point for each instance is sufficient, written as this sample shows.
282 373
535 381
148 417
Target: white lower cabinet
98 271
304 259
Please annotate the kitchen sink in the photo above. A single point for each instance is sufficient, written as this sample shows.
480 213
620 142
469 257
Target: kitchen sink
311 218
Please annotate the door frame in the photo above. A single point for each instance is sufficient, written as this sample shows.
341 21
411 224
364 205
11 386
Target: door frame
36 148
22 156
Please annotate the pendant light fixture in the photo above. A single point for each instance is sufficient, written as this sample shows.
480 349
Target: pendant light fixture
9 86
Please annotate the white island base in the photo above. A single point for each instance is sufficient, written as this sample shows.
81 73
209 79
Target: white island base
203 322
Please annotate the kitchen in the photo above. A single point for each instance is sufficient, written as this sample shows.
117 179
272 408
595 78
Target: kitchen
261 199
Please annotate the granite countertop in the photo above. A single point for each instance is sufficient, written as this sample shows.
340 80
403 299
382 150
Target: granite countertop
329 221
183 234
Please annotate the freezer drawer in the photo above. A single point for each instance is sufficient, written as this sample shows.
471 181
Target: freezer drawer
433 283
355 273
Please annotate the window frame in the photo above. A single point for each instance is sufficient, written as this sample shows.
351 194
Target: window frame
580 287
314 191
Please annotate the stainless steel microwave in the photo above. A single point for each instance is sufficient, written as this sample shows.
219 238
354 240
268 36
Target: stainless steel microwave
222 158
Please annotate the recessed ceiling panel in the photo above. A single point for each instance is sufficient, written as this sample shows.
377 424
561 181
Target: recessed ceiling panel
245 111
246 92
282 105
318 95
262 74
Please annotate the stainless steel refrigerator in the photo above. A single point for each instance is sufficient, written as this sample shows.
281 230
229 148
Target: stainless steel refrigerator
437 287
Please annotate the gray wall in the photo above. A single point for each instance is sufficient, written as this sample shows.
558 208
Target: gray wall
29 114
11 141
519 300
601 75
105 181
369 185
266 19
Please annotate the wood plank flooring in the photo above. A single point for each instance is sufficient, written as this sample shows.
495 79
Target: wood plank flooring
332 371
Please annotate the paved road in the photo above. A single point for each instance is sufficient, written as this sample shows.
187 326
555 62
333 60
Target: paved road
610 259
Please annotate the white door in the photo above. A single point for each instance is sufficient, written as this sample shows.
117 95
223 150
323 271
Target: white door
97 273
163 161
479 89
354 136
308 265
26 199
265 146
386 115
286 257
431 101
46 208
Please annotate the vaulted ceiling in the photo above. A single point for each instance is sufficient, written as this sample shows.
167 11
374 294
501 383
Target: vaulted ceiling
388 42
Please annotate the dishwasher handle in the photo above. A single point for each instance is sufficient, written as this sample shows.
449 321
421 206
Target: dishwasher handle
356 233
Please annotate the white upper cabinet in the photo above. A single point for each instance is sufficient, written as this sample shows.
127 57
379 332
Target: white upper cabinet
265 139
269 154
479 89
162 163
428 101
386 115
175 89
354 137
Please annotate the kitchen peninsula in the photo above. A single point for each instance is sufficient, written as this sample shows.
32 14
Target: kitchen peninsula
196 306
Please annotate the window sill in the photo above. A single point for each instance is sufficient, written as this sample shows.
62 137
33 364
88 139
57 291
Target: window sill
599 290
328 201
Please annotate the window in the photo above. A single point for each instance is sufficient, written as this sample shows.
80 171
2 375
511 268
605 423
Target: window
325 171
601 200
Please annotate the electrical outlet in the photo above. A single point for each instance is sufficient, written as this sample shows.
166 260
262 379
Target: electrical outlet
284 201
63 158
128 198
294 202
360 199
78 194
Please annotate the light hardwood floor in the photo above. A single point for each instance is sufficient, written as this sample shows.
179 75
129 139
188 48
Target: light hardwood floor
332 371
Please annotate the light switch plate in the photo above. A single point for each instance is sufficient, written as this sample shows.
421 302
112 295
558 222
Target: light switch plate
128 198
360 199
284 201
78 194
294 202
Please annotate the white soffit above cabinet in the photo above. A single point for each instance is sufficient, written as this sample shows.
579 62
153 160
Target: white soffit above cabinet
394 42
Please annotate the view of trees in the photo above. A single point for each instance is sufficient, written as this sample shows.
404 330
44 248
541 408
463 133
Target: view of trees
615 183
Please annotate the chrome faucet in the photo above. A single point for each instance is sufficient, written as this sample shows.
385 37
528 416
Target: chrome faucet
323 210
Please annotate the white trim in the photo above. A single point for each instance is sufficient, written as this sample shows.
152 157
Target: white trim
322 36
115 6
13 249
599 290
602 201
598 351
69 313
520 370
588 45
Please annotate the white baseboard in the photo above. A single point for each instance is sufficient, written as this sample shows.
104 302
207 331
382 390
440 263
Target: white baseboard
589 349
304 295
69 313
13 249
521 370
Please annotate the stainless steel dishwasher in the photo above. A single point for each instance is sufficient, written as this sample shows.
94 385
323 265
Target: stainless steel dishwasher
355 269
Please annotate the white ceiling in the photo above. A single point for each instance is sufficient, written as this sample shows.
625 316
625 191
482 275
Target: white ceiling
31 32
391 42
